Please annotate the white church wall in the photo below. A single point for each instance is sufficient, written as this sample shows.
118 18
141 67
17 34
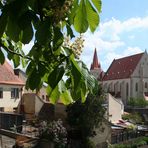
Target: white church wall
108 86
140 77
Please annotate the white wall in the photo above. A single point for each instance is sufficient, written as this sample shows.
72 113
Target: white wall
7 102
122 82
115 109
140 76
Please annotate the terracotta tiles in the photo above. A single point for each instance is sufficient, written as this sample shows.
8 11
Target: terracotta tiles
122 68
7 75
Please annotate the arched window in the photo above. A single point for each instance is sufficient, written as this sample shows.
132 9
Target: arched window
136 87
145 84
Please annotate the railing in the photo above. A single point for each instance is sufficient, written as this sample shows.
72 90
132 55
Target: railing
125 136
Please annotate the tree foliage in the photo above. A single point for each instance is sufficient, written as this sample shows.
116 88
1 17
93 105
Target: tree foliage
44 22
85 117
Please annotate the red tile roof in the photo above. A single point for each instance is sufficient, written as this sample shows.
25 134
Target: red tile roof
7 75
95 64
122 68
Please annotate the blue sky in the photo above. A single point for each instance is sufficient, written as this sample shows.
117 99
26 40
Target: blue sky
123 31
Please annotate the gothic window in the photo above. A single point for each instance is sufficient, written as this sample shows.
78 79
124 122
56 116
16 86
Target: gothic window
145 84
136 87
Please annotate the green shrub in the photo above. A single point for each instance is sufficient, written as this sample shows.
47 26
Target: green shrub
133 117
134 144
137 102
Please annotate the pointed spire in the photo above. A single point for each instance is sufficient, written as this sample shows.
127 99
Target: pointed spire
95 64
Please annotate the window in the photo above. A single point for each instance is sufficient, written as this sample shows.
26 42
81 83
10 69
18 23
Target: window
43 97
145 84
47 98
1 109
14 93
1 93
136 87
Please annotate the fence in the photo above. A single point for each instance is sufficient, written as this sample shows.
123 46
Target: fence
8 120
125 136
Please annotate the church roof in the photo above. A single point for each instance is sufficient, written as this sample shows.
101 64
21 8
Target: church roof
122 68
95 64
7 75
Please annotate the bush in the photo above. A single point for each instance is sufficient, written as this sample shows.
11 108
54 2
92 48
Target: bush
138 102
133 117
85 117
54 132
134 144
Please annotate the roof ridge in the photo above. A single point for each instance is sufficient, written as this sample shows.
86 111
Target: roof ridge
129 56
122 68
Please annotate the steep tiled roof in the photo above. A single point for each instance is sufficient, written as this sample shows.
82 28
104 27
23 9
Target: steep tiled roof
95 64
122 68
7 75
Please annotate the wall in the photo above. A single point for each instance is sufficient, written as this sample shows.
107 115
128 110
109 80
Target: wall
7 102
122 82
29 105
38 104
103 134
140 76
115 109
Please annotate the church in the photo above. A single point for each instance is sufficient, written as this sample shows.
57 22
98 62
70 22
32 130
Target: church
125 78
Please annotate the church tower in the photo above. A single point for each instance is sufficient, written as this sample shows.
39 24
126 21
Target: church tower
95 68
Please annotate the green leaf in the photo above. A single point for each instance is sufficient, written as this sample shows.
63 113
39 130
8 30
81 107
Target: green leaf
53 94
69 31
97 4
13 30
80 20
92 16
27 34
26 27
3 23
16 60
42 69
2 57
55 76
34 79
24 62
90 81
73 11
75 72
66 98
84 92
43 32
30 68
58 38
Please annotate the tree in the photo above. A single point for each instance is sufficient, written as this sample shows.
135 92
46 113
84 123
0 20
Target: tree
49 61
85 117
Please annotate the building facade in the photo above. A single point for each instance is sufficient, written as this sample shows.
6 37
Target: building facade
10 88
127 77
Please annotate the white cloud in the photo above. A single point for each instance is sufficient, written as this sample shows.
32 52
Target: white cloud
109 57
131 37
107 39
115 27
